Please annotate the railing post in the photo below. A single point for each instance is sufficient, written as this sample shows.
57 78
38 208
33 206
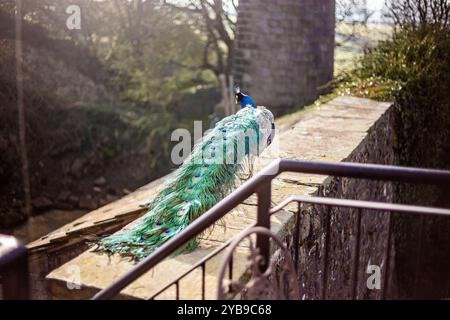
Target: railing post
264 194
13 269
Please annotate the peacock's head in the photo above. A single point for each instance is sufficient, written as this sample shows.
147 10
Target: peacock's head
239 95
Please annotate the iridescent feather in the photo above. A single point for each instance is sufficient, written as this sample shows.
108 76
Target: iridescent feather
205 177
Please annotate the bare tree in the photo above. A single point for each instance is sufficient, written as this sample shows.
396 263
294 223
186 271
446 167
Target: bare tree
419 13
132 16
214 19
354 13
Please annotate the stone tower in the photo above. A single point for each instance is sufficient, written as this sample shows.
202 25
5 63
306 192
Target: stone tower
284 50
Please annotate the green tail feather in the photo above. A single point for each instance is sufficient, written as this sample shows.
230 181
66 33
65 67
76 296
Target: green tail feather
205 178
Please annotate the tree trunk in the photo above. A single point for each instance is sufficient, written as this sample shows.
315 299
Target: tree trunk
21 109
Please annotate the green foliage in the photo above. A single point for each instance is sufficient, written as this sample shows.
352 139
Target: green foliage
413 63
145 52
154 129
153 57
413 70
147 131
164 68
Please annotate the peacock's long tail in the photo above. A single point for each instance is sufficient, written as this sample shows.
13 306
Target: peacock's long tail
206 177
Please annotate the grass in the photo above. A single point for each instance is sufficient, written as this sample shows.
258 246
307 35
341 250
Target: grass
353 40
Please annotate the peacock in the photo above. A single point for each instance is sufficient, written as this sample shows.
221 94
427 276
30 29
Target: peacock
205 177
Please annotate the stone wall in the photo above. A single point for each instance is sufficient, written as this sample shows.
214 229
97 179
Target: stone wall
284 50
422 242
331 266
411 250
332 132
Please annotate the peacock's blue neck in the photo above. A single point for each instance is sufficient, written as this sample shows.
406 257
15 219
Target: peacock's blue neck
247 101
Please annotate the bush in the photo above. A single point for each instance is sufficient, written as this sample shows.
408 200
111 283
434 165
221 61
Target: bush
413 70
413 63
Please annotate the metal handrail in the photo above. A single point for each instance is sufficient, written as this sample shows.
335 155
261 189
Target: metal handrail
360 204
200 263
261 184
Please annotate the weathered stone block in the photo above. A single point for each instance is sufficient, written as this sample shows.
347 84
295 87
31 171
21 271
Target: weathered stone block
297 41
